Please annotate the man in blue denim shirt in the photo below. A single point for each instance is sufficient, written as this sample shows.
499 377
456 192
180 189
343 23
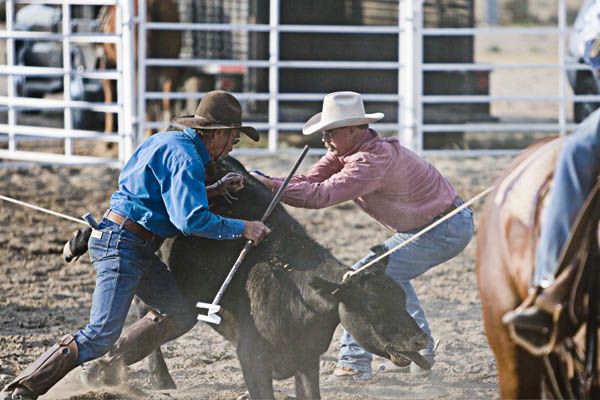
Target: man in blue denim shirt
161 193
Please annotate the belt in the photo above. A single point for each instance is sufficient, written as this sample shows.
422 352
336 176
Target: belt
131 226
457 202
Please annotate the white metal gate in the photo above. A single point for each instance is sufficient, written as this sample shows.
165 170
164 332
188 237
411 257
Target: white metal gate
241 26
15 132
410 67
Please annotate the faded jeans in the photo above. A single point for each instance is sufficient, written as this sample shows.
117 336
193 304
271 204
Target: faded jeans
440 244
574 175
126 266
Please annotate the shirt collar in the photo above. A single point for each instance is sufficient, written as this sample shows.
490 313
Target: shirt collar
200 148
369 134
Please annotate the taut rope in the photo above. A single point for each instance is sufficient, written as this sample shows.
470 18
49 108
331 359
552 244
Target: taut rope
44 210
418 234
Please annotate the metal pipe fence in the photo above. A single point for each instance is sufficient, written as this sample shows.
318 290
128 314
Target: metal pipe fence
408 99
410 66
13 103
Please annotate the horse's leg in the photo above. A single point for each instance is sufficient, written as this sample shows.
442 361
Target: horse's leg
159 378
151 106
108 95
109 122
519 373
167 86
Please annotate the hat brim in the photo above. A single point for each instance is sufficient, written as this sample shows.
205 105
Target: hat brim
197 123
314 124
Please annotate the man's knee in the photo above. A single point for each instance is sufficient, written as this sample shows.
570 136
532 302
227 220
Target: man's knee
582 142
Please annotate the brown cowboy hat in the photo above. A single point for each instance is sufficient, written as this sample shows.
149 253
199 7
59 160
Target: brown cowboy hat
217 110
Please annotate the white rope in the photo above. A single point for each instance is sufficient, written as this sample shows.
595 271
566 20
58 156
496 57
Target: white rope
346 276
419 234
44 210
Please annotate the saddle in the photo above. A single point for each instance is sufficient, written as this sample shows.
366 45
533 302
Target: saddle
566 301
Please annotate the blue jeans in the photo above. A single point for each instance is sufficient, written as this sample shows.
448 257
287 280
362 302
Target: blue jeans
440 244
574 175
126 266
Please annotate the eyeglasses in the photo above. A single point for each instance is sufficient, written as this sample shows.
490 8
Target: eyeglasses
235 137
329 134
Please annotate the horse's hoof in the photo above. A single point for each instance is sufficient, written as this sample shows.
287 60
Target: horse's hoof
282 396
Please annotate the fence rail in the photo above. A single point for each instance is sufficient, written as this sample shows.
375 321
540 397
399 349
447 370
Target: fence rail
12 103
407 98
410 66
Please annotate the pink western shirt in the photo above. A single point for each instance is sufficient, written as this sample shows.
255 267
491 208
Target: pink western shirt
385 179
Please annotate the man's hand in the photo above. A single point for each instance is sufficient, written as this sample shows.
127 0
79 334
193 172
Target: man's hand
264 179
232 182
255 231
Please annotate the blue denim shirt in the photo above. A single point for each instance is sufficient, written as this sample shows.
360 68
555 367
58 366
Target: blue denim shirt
162 187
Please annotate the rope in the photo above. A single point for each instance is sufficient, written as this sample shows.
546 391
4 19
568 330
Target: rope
44 210
346 276
419 234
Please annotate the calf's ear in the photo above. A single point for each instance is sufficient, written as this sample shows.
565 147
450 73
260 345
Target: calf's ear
323 287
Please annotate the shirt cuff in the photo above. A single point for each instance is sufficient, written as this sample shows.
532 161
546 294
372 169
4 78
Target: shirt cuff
233 229
277 182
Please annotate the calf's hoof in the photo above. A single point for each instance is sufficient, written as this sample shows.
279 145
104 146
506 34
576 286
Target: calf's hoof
19 393
77 245
162 382
102 373
423 368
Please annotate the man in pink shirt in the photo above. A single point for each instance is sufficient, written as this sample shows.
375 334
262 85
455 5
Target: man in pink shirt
393 185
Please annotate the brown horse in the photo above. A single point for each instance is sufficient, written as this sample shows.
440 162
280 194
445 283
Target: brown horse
506 242
159 44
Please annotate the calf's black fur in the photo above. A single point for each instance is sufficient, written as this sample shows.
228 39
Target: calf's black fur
280 311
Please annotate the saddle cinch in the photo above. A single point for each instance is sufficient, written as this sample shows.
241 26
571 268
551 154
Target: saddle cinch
567 300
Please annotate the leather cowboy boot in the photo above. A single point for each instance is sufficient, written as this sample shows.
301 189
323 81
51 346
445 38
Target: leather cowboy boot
139 340
544 320
44 373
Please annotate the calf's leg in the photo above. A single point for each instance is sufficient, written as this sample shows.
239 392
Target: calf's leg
160 377
307 380
254 355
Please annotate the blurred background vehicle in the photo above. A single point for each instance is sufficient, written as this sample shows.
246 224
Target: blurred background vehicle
47 53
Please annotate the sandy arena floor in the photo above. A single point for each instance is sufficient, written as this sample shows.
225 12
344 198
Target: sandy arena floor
42 297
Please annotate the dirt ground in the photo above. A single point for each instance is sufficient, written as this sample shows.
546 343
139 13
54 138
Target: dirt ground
42 297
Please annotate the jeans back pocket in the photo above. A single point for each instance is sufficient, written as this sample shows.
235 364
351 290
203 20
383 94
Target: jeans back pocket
99 244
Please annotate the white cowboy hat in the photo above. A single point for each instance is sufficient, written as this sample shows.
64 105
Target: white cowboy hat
340 109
